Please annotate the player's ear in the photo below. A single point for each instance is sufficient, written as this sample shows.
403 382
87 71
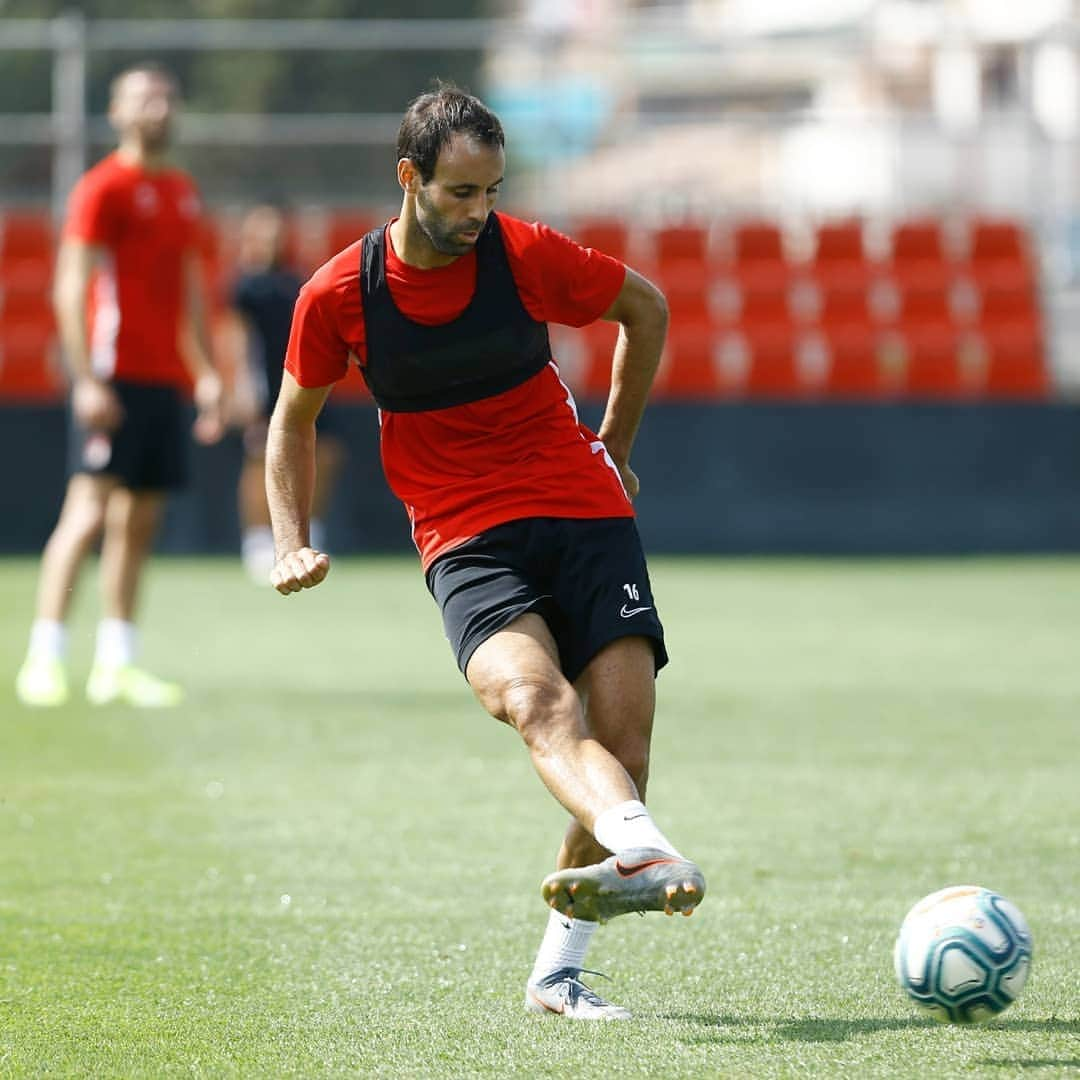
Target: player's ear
408 175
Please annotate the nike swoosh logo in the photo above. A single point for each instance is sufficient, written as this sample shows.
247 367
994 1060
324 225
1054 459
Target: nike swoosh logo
626 612
630 871
634 817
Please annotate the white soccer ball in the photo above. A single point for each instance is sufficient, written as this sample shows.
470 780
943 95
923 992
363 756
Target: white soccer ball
963 954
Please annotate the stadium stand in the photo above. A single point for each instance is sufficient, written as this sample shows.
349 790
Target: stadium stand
928 318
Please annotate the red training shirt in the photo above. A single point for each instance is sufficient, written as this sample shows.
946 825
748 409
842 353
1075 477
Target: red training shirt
522 453
146 222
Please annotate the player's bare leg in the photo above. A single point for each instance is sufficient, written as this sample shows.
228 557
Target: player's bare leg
618 693
516 676
42 680
131 522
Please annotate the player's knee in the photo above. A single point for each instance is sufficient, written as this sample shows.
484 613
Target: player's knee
540 709
83 520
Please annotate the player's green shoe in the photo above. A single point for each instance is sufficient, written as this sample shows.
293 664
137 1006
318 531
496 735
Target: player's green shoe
42 682
129 685
562 993
639 879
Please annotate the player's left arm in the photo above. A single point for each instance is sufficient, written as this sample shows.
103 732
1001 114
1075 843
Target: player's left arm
642 314
195 349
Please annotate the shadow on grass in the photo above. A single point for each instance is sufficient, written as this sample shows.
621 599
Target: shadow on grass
825 1030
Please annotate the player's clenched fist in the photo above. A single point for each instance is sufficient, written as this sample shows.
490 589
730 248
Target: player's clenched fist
302 569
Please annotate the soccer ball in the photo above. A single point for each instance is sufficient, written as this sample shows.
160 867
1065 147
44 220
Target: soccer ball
963 954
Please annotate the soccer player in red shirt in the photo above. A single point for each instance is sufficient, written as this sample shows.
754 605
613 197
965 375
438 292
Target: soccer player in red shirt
128 298
521 515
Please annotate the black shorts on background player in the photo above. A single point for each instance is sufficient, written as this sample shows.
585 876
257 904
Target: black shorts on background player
585 576
148 451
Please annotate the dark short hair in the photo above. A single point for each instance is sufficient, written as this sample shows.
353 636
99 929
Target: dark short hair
143 67
433 118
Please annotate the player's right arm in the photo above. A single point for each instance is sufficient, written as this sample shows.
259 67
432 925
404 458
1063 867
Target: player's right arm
93 400
290 484
316 358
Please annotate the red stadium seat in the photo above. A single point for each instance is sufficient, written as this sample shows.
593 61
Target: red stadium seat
918 256
758 255
25 235
609 235
765 307
1004 308
28 367
26 250
845 305
687 287
689 368
935 366
681 244
1000 255
854 368
773 365
839 241
918 241
345 228
598 346
1015 368
925 307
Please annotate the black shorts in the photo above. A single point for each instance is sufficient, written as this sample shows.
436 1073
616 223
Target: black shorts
148 451
586 577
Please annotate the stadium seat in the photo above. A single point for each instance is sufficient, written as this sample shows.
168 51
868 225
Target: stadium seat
773 368
345 228
918 256
839 258
844 305
681 245
26 250
29 370
1006 308
687 287
598 345
758 255
1015 367
934 366
853 368
763 306
609 235
999 255
689 368
925 307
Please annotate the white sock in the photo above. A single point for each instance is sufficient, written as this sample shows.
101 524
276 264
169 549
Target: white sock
48 639
257 552
630 825
257 538
116 642
317 533
564 945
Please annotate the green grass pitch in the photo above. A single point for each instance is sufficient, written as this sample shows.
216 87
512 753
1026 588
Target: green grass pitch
327 863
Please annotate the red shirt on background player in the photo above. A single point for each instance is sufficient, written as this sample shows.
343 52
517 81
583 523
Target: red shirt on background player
521 515
146 223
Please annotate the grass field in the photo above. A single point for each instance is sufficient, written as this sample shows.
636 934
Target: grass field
327 862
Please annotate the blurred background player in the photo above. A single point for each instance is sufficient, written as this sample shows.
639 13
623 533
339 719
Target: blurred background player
521 515
130 248
263 297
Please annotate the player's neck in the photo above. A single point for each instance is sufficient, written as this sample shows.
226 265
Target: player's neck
412 247
132 152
